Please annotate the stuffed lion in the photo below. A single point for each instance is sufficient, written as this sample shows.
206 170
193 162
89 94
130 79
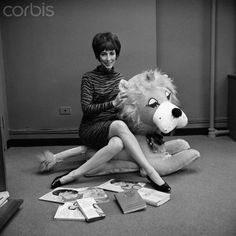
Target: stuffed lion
150 109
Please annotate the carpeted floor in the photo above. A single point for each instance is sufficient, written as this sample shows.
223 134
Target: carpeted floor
203 200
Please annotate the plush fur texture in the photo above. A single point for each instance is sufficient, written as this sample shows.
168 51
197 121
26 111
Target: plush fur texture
135 109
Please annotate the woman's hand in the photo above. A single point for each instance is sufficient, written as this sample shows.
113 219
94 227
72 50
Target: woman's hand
119 99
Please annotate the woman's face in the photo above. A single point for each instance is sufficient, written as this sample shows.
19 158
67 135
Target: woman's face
108 58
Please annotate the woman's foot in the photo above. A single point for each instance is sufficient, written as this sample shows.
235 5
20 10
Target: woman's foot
57 181
163 188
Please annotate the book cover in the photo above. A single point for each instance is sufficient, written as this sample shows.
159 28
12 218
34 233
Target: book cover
69 211
153 197
130 201
8 210
3 197
62 195
116 185
90 209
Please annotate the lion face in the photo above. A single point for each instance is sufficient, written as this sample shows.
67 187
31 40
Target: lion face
150 101
167 117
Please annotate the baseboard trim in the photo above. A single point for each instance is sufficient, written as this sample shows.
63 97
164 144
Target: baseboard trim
190 131
43 142
65 133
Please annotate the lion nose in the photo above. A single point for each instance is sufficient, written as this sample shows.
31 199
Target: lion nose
176 112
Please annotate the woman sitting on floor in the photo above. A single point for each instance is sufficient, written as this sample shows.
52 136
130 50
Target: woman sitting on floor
100 127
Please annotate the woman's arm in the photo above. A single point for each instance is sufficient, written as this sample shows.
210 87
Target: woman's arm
87 104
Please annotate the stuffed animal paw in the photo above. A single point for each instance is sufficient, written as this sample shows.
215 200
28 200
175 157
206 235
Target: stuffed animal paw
47 161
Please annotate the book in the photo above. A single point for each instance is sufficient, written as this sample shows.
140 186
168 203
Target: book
153 197
62 195
116 185
69 211
130 201
8 210
4 195
90 209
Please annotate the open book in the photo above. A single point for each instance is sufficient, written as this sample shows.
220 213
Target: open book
62 195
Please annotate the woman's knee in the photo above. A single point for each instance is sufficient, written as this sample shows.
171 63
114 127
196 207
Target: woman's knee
116 143
118 126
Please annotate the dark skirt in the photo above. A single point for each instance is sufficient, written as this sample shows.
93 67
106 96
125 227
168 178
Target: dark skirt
95 135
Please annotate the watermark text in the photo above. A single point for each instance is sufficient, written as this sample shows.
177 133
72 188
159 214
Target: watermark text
29 10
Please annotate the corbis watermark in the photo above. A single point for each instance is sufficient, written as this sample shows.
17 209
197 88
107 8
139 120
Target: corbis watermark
28 10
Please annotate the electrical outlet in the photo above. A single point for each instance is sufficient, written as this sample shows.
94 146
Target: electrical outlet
65 110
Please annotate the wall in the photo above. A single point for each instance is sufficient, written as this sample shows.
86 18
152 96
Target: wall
183 49
45 57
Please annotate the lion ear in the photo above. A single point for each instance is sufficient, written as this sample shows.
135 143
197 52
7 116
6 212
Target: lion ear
124 85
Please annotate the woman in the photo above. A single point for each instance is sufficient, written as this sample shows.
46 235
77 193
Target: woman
100 127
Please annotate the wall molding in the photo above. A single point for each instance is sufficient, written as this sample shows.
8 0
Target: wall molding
221 122
43 133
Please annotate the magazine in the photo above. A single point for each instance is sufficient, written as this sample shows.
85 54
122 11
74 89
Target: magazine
130 201
154 197
116 185
90 209
62 195
69 211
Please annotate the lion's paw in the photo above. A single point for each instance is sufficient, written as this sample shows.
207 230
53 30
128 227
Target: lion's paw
47 161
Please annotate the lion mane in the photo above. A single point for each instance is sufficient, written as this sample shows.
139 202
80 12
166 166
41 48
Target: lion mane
137 88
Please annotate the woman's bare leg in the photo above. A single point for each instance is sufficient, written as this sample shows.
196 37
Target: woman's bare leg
119 135
103 155
120 129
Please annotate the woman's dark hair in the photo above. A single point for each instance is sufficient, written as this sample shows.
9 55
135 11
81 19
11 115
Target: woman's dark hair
106 41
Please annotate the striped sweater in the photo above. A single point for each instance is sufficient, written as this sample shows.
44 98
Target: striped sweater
98 89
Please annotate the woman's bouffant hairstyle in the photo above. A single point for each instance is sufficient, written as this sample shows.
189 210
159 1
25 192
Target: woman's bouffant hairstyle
106 41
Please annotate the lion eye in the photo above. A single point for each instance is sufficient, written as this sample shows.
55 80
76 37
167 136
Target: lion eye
153 103
168 95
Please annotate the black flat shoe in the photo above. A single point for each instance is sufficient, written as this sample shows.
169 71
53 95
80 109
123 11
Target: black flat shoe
56 182
163 188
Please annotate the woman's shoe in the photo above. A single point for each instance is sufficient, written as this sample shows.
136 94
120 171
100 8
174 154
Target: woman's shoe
163 188
56 182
